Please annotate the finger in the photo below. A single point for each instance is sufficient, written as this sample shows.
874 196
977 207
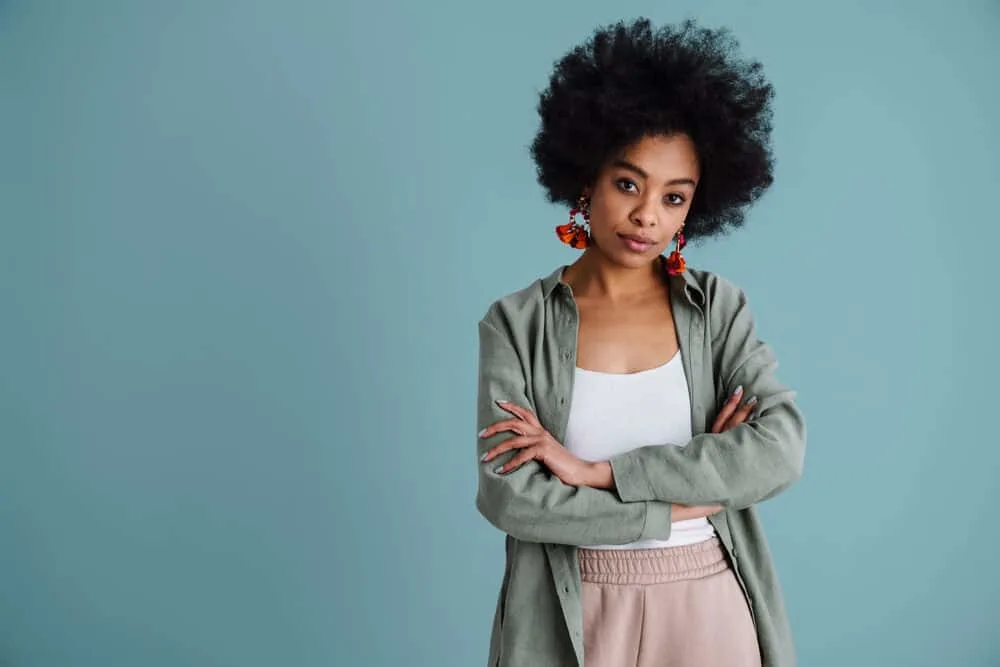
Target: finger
518 411
516 425
516 462
730 406
519 442
742 413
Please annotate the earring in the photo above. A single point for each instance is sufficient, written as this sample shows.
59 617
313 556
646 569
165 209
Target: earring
676 263
573 234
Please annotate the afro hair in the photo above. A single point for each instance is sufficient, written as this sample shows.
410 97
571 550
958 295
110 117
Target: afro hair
631 80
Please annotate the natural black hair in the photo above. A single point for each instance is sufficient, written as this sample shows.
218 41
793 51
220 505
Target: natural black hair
631 80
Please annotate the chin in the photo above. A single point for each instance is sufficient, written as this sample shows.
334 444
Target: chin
633 260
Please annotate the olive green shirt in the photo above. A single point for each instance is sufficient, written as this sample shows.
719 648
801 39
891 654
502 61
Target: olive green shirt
527 355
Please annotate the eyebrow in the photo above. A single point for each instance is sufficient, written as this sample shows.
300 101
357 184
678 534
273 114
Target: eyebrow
625 164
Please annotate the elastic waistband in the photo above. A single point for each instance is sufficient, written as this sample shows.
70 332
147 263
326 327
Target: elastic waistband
652 566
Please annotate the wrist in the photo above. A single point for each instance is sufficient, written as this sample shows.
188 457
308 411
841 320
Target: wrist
601 475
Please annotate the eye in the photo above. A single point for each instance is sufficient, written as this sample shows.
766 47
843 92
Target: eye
623 184
675 199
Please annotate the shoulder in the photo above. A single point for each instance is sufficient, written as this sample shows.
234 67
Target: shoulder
724 303
720 294
521 308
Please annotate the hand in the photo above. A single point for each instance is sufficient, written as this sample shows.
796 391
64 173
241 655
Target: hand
534 442
734 413
680 512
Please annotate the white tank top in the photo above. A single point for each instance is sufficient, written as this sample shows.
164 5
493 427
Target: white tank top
613 413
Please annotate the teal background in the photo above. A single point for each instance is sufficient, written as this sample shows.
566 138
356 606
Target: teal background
244 247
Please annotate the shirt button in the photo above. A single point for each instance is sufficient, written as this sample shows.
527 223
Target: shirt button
562 400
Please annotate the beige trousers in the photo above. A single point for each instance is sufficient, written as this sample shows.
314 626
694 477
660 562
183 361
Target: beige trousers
670 607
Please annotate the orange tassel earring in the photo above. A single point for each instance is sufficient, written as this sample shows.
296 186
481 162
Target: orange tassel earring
676 263
573 234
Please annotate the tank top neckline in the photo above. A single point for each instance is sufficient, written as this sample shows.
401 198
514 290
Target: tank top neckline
646 371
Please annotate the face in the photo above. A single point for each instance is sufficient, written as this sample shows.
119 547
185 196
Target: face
641 199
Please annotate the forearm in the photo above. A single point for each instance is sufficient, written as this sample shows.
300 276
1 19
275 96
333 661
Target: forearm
531 505
737 468
602 477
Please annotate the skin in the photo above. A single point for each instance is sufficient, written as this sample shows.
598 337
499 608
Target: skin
626 320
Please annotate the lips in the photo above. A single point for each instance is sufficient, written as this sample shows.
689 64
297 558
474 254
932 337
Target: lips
636 243
637 239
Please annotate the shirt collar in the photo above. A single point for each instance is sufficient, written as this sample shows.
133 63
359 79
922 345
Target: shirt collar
684 282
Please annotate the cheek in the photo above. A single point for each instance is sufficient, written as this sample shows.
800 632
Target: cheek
601 218
679 214
611 209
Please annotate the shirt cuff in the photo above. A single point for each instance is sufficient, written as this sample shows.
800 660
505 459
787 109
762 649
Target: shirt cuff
630 478
657 523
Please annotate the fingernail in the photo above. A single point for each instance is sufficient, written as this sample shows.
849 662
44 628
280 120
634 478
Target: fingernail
498 469
738 390
499 402
484 456
752 400
481 433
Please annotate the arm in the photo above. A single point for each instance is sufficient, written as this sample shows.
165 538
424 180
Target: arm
743 465
529 503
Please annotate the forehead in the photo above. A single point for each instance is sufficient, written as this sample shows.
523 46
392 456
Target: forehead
663 157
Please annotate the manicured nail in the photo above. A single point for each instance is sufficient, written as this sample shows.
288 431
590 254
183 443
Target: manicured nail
752 400
484 457
738 390
482 433
498 469
499 402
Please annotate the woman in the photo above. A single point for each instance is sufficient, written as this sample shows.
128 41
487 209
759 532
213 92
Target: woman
631 418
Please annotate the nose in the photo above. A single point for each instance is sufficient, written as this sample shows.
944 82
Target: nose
644 214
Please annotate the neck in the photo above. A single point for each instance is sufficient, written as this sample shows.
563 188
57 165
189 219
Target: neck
592 276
